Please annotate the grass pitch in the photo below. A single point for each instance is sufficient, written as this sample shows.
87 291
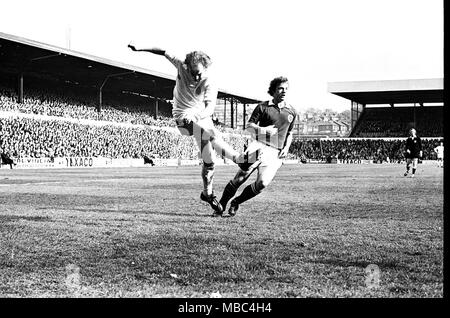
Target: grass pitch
143 232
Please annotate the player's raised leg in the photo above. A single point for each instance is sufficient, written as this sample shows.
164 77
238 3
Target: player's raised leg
205 128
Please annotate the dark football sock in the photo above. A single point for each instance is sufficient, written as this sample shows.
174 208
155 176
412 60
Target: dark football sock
413 171
248 193
228 193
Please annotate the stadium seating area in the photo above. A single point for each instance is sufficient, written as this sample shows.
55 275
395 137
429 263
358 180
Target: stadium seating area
128 129
353 150
27 137
119 131
395 121
69 103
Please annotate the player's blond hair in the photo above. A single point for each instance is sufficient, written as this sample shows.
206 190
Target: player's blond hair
196 57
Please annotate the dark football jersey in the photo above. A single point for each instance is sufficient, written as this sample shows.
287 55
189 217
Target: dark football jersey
414 145
267 114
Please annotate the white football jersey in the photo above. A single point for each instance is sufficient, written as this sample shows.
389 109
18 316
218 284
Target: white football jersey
440 151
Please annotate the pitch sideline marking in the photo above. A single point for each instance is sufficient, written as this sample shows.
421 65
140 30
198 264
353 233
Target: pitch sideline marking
54 182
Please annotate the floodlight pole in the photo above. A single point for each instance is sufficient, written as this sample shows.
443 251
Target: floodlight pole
244 113
20 89
100 92
225 111
236 114
232 113
20 79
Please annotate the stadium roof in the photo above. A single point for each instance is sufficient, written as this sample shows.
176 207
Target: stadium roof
391 91
20 55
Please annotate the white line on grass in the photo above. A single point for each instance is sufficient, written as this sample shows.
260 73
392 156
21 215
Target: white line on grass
55 182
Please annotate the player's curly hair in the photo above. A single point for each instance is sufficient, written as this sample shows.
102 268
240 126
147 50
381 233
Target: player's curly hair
274 84
196 57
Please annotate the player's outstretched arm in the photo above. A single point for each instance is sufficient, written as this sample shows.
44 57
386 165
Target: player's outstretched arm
154 50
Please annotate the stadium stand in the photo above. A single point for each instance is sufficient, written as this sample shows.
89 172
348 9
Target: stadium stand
50 129
50 114
68 101
395 121
354 150
35 138
405 104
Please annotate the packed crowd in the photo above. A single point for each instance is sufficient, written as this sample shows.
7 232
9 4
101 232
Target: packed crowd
25 137
354 150
34 137
70 105
29 137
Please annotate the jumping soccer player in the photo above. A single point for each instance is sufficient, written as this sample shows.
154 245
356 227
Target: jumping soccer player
413 151
194 102
270 124
440 154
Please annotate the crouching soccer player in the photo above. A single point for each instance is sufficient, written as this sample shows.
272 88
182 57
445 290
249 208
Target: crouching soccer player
270 124
194 102
413 152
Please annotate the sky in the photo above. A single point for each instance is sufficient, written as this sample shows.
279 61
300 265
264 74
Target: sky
251 41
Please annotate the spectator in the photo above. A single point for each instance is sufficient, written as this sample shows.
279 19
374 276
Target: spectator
5 159
126 128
